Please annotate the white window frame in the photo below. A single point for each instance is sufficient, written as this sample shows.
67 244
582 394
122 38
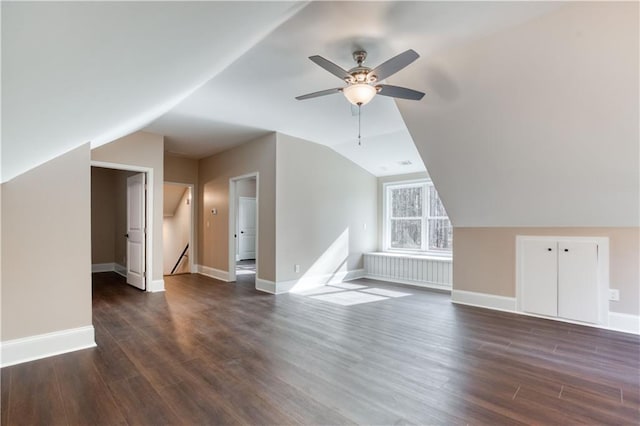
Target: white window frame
386 225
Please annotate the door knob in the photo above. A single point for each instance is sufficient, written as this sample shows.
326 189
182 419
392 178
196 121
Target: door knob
242 232
126 235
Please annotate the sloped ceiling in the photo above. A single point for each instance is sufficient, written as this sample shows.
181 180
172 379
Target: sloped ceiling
74 72
258 90
530 118
536 125
172 194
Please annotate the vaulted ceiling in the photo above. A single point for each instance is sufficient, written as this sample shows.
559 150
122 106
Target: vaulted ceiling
530 118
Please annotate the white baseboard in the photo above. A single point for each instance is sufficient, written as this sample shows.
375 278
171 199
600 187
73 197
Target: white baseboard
307 283
266 286
109 267
40 346
212 273
120 270
423 284
616 321
483 300
155 286
624 322
102 267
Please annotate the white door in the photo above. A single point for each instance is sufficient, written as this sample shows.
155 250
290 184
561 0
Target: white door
247 228
136 230
578 281
539 276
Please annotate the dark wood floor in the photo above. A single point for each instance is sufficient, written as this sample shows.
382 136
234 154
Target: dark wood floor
206 352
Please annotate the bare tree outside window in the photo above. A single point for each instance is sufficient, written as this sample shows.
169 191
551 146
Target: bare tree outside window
440 229
416 219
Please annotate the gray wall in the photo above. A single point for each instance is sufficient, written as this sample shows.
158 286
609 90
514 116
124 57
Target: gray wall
324 202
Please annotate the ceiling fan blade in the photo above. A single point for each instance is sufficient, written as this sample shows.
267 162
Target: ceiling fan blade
399 92
394 64
331 67
320 93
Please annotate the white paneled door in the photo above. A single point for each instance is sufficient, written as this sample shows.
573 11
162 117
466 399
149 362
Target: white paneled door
136 230
540 277
578 281
246 228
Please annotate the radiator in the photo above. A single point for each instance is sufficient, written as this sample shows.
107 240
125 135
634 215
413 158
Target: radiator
421 271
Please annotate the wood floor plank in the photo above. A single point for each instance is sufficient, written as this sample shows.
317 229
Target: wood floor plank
207 352
28 407
5 379
140 403
87 398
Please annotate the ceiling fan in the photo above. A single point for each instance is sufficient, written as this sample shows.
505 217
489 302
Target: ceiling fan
361 81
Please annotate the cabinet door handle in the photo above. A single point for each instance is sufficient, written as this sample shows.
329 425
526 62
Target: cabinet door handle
566 249
550 249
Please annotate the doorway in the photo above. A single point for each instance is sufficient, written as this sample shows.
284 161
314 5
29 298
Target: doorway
243 226
119 220
177 229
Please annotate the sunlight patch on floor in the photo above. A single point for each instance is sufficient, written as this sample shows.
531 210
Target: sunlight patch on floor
347 294
348 298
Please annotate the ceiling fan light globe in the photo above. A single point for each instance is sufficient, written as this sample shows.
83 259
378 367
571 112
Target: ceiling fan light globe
359 94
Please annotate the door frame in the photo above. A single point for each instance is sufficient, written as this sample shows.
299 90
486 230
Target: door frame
232 222
148 277
192 225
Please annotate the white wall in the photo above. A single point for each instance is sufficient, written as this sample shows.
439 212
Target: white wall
535 125
175 235
326 212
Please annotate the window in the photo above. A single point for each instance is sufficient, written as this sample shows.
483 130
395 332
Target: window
415 219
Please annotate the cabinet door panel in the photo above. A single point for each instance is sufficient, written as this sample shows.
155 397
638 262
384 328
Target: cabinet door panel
539 276
578 281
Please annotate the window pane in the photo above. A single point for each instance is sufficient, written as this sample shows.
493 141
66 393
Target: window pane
406 202
435 205
440 234
406 233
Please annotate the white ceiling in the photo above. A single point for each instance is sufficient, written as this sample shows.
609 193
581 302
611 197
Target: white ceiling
171 196
530 117
74 72
257 91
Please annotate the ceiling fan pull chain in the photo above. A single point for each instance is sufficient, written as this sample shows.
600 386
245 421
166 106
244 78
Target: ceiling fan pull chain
359 139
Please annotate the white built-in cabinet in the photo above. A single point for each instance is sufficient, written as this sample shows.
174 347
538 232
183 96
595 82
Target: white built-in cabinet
563 277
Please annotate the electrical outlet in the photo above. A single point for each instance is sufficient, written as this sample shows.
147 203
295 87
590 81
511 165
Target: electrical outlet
614 295
296 268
